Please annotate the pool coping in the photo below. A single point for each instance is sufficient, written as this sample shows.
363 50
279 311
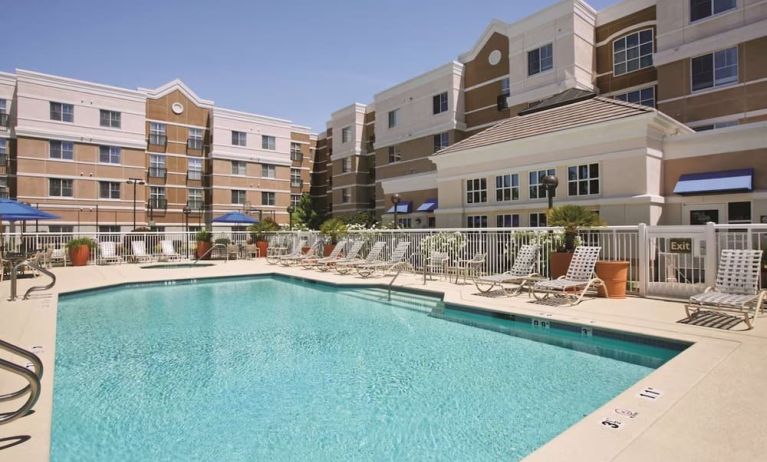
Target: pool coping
675 378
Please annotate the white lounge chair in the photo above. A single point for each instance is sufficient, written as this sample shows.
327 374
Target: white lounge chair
311 253
108 253
344 267
397 259
579 279
520 274
335 254
737 287
139 254
328 263
168 252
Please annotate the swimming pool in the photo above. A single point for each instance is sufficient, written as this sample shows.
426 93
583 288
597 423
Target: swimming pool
280 369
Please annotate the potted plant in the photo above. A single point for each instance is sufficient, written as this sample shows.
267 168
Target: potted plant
259 232
80 250
333 229
571 218
204 244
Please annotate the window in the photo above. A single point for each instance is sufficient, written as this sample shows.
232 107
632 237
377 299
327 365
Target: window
715 69
716 125
405 223
267 198
632 52
583 180
109 118
700 9
701 217
62 112
157 133
239 138
109 154
476 221
739 212
157 197
195 199
346 134
295 199
268 142
61 228
346 165
195 139
537 220
505 87
394 154
3 150
157 166
295 152
441 141
439 103
109 190
537 189
238 196
645 97
61 150
194 169
507 221
239 167
3 113
58 187
346 196
393 118
476 190
268 171
3 187
295 178
539 60
507 187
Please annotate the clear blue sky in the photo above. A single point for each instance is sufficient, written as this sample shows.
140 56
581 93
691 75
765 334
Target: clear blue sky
299 60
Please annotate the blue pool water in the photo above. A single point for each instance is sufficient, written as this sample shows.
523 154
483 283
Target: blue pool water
272 369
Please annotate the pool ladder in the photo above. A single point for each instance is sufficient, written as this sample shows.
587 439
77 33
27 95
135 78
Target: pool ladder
208 252
32 377
33 263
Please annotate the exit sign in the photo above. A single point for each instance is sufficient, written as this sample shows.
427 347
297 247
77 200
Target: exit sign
680 245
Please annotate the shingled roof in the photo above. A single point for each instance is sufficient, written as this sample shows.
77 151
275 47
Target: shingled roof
582 112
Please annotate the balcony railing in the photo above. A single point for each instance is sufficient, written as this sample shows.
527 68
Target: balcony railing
4 119
157 172
158 203
158 140
194 175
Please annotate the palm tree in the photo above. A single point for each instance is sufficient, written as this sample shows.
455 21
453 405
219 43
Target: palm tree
572 218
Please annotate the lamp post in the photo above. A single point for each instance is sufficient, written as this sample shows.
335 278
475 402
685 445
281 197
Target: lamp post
550 182
186 210
151 214
291 209
134 182
395 199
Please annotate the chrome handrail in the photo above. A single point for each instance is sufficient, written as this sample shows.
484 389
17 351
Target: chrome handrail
36 265
28 355
208 253
33 378
400 266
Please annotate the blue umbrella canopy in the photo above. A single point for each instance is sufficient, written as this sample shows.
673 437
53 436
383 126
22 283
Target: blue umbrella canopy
235 218
11 210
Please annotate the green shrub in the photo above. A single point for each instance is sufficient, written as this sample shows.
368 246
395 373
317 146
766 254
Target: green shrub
80 241
203 236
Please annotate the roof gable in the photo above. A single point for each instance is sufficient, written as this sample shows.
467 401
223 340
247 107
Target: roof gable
172 86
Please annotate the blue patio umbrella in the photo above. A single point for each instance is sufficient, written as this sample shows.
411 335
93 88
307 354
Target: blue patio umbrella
11 210
235 218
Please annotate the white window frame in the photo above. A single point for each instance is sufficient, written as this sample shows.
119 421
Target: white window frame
393 118
61 150
239 196
476 191
346 134
295 199
113 154
194 136
638 47
441 141
195 196
157 163
239 138
549 59
112 119
239 167
346 165
538 185
156 130
640 99
476 221
268 198
268 171
439 103
268 142
506 86
501 187
346 196
295 152
61 109
110 190
60 187
295 177
500 220
713 13
588 179
714 82
537 216
194 169
394 154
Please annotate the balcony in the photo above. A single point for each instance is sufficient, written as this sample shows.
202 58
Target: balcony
158 203
4 120
158 141
157 172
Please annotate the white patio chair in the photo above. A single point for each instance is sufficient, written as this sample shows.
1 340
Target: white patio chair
521 273
139 254
58 255
168 252
737 287
344 267
580 277
436 263
398 259
108 253
467 267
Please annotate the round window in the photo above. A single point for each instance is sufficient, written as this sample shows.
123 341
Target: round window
494 58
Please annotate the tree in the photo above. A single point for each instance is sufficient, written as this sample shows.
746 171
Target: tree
305 214
572 218
367 218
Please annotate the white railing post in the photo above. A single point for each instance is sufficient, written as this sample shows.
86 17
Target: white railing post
643 259
711 255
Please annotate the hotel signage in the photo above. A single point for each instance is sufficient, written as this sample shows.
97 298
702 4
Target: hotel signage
680 245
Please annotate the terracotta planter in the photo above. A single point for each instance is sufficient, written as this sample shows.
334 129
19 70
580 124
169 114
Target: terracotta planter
615 275
79 255
263 246
560 261
202 247
305 249
327 248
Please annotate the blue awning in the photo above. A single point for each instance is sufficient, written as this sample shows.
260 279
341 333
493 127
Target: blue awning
402 207
716 182
428 206
236 218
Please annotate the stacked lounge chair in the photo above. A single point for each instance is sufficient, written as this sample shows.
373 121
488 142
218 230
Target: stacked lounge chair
344 267
327 263
521 273
397 259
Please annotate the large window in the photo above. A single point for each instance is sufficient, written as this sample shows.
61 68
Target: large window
268 171
583 180
61 150
109 118
739 212
109 154
195 139
476 190
295 152
59 187
62 112
239 138
295 178
632 52
539 60
476 221
194 169
157 166
295 200
441 141
346 134
109 190
268 198
439 103
507 187
700 9
537 220
157 198
644 96
238 196
715 69
537 189
3 113
195 199
394 154
157 134
346 165
268 142
239 167
393 118
507 221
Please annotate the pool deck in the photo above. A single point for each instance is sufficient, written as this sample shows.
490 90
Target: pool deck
704 405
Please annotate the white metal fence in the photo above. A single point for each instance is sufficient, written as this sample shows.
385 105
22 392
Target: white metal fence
665 261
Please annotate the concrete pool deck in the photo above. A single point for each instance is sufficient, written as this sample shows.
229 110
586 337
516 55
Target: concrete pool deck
705 404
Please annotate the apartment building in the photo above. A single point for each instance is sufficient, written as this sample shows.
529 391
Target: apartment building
113 159
321 174
700 65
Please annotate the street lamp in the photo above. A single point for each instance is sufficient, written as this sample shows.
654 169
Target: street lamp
134 182
186 210
395 199
151 214
550 182
291 209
